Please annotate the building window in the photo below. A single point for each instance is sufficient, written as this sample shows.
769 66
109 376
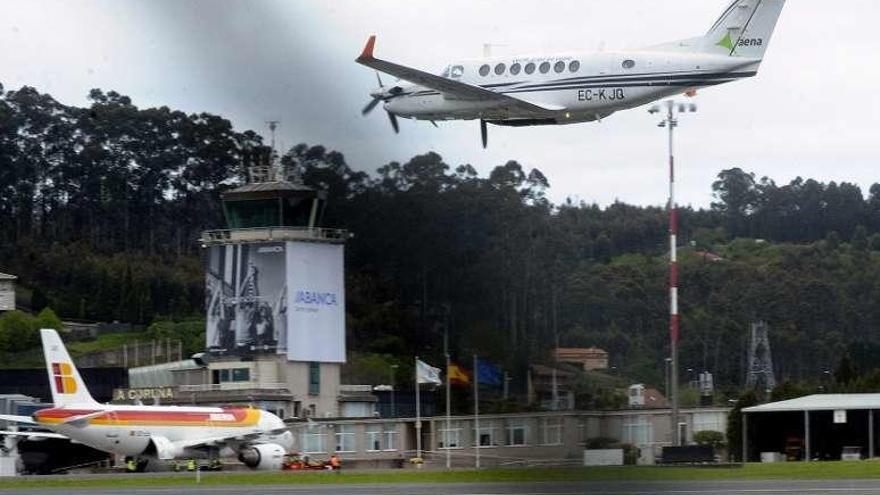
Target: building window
374 438
629 64
516 432
574 66
530 68
485 437
484 70
559 66
544 68
313 440
314 378
499 69
241 375
709 421
345 438
390 437
515 69
551 431
450 438
638 431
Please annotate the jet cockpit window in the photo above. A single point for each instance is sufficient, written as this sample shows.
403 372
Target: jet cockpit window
574 66
484 70
544 68
629 64
515 69
499 69
456 71
559 66
530 68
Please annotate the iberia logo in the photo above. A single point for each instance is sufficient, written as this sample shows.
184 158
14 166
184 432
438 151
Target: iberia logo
64 381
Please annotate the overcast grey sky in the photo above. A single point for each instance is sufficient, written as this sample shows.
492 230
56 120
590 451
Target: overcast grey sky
813 111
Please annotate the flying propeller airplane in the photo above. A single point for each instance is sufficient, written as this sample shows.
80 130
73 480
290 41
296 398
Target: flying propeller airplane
573 88
259 438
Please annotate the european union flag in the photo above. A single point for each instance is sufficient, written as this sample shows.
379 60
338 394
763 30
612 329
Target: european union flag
488 373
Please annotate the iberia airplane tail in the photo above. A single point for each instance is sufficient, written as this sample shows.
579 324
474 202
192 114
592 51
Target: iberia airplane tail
744 29
67 386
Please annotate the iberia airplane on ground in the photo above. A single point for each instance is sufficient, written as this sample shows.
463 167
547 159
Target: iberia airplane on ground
570 88
260 439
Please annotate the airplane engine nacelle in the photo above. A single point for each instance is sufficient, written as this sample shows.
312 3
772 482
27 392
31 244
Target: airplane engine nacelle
263 457
163 448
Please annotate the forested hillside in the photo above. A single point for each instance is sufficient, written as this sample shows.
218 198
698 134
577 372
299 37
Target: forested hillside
100 209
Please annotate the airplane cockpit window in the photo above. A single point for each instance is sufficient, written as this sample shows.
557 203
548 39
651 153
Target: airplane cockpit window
515 68
629 64
499 69
574 66
445 72
559 66
456 71
484 70
544 68
530 68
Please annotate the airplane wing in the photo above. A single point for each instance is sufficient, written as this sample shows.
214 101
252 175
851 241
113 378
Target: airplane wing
32 434
232 439
449 87
17 419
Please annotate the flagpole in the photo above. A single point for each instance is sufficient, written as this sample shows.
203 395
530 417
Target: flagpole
448 393
448 414
418 415
476 414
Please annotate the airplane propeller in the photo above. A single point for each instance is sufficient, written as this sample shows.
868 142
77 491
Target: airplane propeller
382 95
394 124
484 133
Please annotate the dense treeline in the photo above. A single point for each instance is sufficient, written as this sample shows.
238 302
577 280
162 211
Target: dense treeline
100 208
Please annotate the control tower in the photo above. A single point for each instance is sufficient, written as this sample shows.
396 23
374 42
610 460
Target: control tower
275 291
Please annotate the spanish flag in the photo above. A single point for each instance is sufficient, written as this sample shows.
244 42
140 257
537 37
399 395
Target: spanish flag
458 376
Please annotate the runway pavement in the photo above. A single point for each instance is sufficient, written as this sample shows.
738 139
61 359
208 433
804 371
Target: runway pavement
549 488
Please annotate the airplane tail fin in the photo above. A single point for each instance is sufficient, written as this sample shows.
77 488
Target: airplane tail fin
65 382
744 29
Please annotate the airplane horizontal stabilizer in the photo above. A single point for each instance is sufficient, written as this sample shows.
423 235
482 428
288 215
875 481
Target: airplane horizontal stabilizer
17 419
32 435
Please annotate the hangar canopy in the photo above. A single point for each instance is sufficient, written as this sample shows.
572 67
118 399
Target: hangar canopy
826 402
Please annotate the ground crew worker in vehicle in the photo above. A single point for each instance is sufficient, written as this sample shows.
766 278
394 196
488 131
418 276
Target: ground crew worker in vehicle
191 465
175 466
130 466
335 462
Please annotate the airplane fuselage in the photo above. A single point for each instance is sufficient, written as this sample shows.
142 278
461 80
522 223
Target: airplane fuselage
128 430
581 87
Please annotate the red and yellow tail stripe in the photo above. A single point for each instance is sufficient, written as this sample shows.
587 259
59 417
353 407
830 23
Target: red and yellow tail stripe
231 417
63 377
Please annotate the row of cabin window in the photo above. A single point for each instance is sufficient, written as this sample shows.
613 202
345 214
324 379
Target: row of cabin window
544 68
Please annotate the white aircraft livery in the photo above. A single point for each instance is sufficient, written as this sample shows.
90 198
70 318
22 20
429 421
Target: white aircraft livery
572 88
259 439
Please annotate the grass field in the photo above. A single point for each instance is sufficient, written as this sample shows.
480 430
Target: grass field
799 471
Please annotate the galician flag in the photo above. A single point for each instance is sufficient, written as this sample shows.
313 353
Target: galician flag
426 373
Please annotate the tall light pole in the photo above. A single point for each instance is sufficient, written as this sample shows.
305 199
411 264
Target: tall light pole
671 122
393 376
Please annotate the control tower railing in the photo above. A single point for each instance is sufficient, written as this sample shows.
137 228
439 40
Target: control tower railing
273 234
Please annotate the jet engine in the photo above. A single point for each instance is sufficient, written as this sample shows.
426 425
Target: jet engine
263 457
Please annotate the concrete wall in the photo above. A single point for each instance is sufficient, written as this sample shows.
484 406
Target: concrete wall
7 295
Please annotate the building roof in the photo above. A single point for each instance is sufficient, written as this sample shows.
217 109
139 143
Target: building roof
6 276
826 402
